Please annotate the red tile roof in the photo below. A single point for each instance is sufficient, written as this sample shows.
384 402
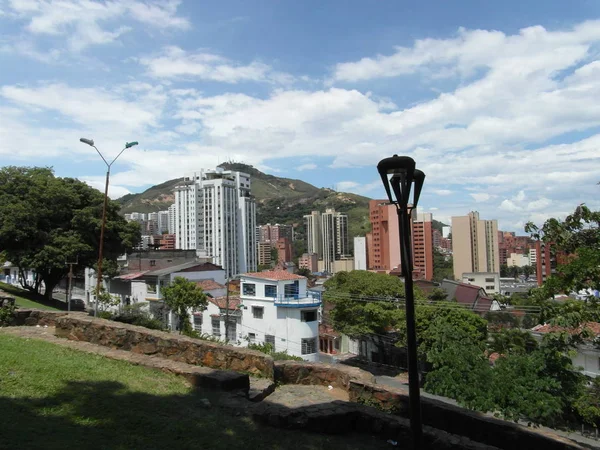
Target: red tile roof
221 302
209 285
594 327
274 275
327 330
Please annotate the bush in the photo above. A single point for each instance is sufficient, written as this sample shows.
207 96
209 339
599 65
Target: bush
134 315
105 315
7 315
277 356
205 337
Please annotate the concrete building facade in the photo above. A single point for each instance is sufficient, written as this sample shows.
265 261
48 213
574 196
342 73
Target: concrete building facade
216 213
360 253
475 245
422 240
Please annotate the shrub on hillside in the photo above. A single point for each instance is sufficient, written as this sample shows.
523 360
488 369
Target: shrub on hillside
7 315
277 356
134 315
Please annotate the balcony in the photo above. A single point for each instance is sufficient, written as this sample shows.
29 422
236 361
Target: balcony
296 301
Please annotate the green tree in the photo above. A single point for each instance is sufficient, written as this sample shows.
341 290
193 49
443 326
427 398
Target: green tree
512 341
438 295
442 267
588 405
365 302
182 296
460 368
575 242
504 272
47 220
527 270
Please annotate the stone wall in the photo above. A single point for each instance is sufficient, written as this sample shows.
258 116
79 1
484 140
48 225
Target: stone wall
33 317
360 384
460 421
299 372
166 345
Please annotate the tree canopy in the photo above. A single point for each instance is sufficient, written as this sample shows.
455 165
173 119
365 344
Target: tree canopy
183 296
365 302
47 220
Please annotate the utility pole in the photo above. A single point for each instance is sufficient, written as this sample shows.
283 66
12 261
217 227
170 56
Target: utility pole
70 289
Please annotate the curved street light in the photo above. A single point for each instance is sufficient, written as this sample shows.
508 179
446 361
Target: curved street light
90 142
399 185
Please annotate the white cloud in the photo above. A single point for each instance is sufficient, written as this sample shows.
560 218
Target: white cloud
533 48
88 22
539 204
442 192
309 166
114 191
510 206
358 188
173 62
480 197
88 106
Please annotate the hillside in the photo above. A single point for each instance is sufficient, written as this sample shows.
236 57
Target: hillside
279 200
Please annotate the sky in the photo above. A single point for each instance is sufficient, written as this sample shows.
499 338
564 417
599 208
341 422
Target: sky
497 102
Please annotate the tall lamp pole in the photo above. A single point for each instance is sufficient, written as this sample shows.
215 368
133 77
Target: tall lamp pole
403 176
90 142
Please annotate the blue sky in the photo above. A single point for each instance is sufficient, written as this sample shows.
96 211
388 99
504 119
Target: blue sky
496 101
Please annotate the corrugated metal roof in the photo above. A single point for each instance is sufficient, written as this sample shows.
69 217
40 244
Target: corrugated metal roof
131 276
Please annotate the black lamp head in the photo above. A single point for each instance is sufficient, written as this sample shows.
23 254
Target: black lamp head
402 169
419 178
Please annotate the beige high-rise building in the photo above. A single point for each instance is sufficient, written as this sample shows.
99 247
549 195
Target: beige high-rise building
474 245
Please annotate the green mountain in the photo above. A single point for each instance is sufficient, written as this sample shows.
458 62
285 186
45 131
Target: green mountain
279 200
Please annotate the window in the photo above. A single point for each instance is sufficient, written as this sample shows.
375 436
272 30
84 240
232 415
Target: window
249 289
258 312
216 327
308 316
471 279
292 289
490 288
489 280
309 346
271 290
251 338
270 339
151 288
198 323
152 262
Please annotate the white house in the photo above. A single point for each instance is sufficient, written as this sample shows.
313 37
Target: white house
277 309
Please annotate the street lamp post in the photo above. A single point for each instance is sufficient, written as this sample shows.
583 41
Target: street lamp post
90 142
403 176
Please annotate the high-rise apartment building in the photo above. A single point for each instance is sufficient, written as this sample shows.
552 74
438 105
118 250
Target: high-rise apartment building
475 245
422 241
383 243
284 250
264 253
360 253
163 222
272 233
313 233
216 213
172 215
327 236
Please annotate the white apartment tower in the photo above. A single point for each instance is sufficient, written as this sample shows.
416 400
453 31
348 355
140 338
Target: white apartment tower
313 233
215 212
172 215
327 236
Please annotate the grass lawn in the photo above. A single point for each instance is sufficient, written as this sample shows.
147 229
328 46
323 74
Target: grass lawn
25 299
55 398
